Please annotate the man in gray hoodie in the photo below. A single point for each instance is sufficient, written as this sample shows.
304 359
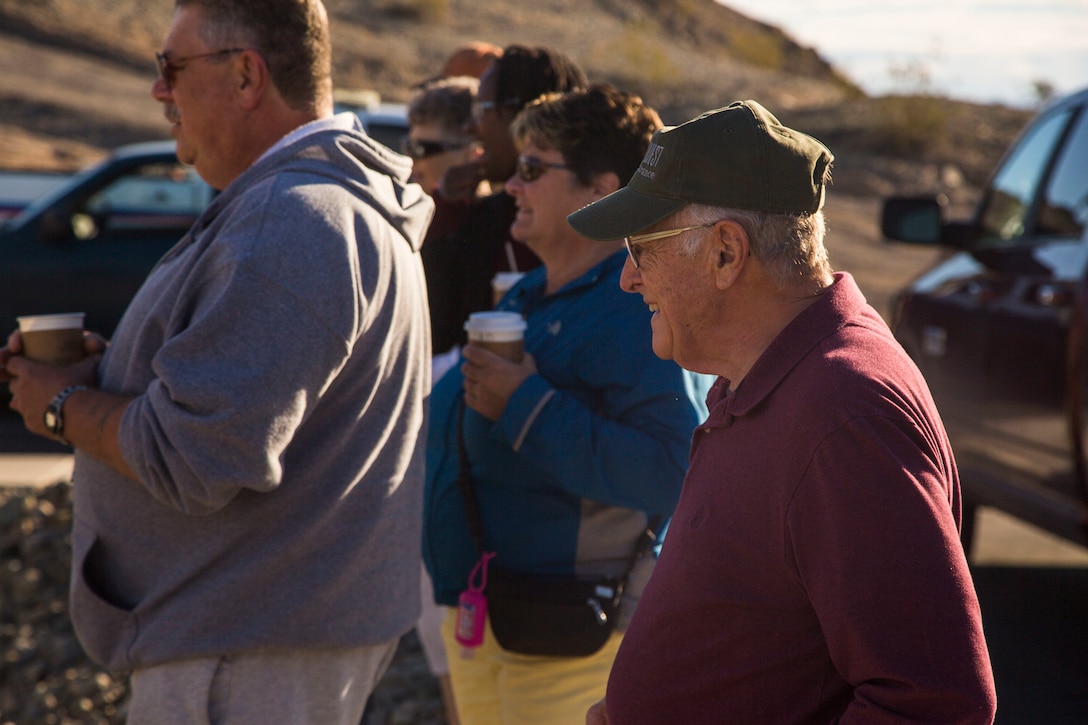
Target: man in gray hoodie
248 449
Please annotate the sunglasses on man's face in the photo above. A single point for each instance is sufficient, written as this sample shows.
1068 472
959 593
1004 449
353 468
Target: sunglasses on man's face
530 168
479 108
169 69
418 149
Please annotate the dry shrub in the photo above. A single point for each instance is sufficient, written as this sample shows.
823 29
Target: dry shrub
914 125
759 49
641 51
424 11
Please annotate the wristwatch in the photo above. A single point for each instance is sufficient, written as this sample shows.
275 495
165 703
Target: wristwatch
53 417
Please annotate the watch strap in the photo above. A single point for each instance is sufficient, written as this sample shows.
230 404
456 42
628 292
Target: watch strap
53 417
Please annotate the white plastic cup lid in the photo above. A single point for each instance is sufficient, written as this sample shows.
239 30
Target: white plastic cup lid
40 323
496 326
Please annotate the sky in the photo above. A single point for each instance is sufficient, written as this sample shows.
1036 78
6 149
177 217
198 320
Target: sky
976 50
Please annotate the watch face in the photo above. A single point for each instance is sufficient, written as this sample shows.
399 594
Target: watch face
50 420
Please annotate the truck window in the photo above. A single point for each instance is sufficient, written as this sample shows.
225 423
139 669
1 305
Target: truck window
1064 211
1004 213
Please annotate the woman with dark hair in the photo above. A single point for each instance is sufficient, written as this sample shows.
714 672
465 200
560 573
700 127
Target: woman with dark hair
575 454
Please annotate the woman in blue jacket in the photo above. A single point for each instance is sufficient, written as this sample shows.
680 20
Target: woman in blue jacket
577 450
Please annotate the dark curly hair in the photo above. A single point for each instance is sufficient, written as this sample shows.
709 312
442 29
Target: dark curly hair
597 130
523 74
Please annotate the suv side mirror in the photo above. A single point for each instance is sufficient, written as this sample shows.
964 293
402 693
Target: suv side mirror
915 220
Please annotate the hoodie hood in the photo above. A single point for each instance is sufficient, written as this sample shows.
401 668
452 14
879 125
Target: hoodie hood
376 174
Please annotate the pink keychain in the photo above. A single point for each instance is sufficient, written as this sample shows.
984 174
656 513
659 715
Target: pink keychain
472 609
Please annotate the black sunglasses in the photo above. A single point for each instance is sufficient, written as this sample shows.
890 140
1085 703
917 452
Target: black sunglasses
416 149
169 69
480 108
530 168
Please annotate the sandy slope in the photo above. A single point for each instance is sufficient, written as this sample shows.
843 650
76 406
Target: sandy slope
56 97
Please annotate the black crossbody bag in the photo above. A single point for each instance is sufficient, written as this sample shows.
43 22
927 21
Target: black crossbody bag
547 614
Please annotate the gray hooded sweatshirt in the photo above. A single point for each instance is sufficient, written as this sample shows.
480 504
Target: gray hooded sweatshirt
280 358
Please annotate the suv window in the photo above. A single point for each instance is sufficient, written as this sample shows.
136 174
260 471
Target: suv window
390 134
159 188
1004 213
1064 211
160 195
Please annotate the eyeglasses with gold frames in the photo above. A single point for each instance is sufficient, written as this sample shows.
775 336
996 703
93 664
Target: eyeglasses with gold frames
169 68
634 240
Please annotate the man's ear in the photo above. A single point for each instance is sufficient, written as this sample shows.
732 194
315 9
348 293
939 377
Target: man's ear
729 252
252 78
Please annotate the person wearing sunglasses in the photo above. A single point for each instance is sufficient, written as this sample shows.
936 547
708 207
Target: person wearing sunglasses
462 263
248 449
519 75
438 129
813 571
577 451
438 139
438 117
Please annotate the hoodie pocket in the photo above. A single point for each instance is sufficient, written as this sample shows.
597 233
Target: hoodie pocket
106 630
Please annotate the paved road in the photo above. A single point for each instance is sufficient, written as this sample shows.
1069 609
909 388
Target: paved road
1033 589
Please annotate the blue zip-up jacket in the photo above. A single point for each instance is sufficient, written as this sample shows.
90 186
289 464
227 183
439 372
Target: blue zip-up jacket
585 453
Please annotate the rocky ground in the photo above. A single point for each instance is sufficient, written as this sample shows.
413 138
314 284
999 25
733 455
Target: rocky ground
46 679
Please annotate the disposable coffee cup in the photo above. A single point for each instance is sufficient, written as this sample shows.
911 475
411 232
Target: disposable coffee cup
502 282
56 339
503 333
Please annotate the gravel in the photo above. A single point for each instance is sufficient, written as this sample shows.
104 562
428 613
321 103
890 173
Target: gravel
46 679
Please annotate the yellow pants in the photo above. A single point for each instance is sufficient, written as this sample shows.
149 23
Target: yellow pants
496 687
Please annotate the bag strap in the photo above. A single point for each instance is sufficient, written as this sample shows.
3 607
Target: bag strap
472 508
464 483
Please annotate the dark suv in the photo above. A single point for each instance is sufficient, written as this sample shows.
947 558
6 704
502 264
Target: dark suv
999 327
87 245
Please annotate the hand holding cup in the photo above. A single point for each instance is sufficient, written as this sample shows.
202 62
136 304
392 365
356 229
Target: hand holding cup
53 339
496 363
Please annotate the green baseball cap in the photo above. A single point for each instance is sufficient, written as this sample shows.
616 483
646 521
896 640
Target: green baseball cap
738 157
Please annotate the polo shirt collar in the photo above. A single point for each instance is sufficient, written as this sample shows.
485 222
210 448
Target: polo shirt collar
824 317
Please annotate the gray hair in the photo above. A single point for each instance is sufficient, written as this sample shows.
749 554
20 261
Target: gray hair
292 36
446 102
789 246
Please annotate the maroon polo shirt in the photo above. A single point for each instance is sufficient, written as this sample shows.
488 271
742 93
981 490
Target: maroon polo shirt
813 572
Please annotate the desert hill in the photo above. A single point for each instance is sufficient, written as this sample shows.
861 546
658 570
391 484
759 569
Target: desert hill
80 72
